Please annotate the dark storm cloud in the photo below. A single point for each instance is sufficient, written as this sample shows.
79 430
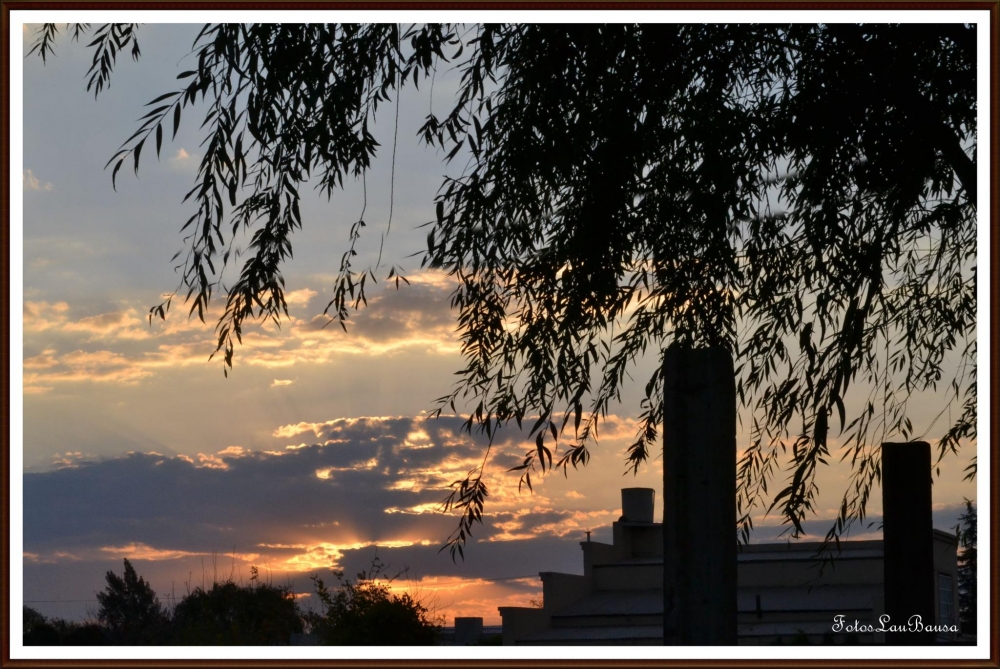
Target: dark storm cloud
369 487
337 491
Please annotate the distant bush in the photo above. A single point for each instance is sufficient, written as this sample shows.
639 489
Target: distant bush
42 631
31 619
255 614
88 634
367 613
363 612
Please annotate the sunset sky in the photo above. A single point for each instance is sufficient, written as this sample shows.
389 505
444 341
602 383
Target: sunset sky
315 450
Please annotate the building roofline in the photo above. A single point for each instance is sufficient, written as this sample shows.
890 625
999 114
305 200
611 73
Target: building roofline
950 536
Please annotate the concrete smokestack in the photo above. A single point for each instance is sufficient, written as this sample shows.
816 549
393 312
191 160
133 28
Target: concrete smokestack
907 531
699 497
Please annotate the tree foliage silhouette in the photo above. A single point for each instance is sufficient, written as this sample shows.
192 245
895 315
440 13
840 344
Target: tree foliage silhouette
967 569
255 614
36 629
41 631
366 612
801 195
129 609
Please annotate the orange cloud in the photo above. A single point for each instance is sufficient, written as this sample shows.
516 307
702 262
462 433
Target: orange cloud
39 316
140 551
96 366
415 318
44 360
292 430
325 555
94 359
473 597
120 323
299 298
286 431
51 558
69 459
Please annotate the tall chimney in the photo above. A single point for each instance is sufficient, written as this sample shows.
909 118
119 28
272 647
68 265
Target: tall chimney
699 497
907 531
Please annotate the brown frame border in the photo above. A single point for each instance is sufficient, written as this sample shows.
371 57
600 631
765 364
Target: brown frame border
993 6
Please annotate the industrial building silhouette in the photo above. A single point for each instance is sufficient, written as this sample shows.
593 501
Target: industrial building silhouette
786 592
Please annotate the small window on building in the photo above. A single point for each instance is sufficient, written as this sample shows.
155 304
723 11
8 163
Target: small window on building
946 600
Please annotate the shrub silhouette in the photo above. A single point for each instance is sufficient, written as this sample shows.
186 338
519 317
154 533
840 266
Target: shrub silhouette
41 631
360 612
31 619
88 634
367 613
229 614
43 634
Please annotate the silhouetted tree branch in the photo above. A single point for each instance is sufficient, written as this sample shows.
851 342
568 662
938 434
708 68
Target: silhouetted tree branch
802 195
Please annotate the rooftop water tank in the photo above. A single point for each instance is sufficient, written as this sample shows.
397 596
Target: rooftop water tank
637 505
